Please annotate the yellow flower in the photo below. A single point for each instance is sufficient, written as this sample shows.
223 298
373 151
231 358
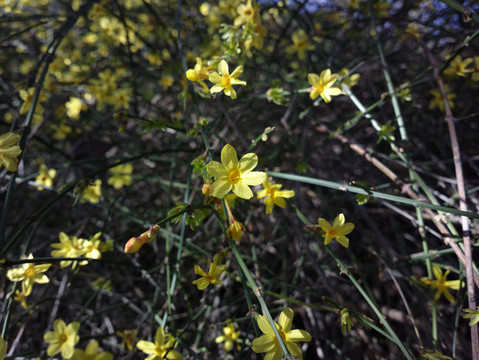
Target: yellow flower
458 66
198 74
22 298
473 314
235 175
246 13
9 151
161 348
74 106
62 339
230 337
224 81
28 274
337 231
128 338
91 353
235 230
269 344
274 196
441 283
27 97
349 79
68 247
92 192
45 178
322 85
438 102
300 44
210 278
121 176
91 247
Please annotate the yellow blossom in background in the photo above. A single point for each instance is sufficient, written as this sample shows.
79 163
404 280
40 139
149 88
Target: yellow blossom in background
235 230
71 247
210 278
441 284
322 85
73 107
274 196
121 176
300 45
128 338
338 231
224 81
61 131
92 192
230 337
438 101
246 13
28 274
268 343
27 97
9 152
21 297
235 175
45 177
198 74
91 247
473 315
62 339
413 30
161 348
458 66
349 79
91 353
167 81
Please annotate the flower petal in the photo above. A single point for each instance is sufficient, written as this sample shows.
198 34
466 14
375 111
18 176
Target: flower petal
253 178
298 335
286 319
263 344
216 169
229 158
223 68
248 162
220 188
242 190
264 325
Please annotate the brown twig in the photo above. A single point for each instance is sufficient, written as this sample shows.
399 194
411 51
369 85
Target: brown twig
462 198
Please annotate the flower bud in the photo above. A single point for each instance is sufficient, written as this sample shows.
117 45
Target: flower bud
235 230
135 243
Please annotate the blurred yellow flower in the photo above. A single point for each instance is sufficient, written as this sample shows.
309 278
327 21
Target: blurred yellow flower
73 107
120 176
224 81
438 101
210 278
45 177
322 85
128 338
68 247
91 353
9 151
441 284
235 175
300 45
337 231
235 230
458 66
274 196
92 192
229 337
246 13
269 344
349 79
28 274
161 348
62 339
198 74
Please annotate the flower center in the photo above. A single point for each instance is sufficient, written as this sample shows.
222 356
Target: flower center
320 88
226 81
30 272
63 338
234 176
334 233
271 192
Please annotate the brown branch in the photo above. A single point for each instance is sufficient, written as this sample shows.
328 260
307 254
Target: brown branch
461 190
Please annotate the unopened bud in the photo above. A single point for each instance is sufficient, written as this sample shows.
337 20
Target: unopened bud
206 189
135 243
235 230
